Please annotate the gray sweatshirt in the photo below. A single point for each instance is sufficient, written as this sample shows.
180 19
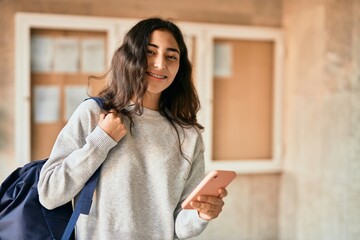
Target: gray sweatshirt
143 179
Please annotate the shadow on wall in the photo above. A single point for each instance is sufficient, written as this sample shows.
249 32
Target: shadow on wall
289 197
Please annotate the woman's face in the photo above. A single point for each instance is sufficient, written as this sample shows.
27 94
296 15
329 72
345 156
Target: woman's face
163 57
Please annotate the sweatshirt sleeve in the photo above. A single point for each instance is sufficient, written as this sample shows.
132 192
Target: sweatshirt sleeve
187 222
80 148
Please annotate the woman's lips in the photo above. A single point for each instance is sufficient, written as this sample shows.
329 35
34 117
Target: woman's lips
156 75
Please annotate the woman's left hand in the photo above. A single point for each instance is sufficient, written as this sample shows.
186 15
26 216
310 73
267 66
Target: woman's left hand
210 207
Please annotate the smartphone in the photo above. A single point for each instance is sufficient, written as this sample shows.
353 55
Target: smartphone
210 185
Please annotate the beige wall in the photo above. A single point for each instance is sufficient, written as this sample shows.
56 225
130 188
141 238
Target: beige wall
251 210
320 187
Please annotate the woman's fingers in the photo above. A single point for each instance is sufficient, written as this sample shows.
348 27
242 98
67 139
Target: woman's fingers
217 201
209 207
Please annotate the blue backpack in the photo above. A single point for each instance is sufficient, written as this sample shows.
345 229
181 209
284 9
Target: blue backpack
22 217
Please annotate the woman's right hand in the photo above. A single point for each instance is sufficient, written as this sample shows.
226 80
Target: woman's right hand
112 124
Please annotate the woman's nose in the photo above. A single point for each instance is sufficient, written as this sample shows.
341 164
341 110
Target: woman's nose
160 63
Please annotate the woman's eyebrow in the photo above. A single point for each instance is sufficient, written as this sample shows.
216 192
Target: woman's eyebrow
167 49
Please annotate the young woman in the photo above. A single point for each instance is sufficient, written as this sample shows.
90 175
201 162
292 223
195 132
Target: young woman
148 144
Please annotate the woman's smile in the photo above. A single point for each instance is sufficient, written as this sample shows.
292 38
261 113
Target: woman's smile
156 76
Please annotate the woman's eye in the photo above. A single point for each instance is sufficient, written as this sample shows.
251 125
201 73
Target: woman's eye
173 58
150 52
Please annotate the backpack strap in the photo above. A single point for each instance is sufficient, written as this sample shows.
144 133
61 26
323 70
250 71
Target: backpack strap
84 201
83 204
98 100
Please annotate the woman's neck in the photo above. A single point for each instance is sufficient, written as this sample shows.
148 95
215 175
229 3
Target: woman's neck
151 101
